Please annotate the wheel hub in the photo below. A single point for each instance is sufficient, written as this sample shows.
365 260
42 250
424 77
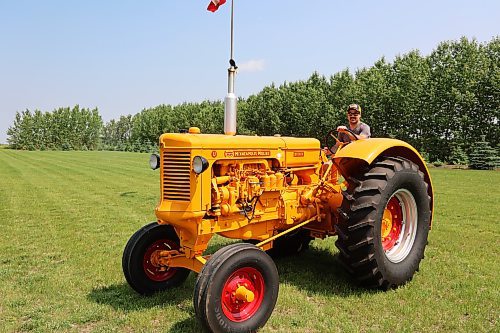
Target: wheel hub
386 223
399 225
242 294
152 268
392 222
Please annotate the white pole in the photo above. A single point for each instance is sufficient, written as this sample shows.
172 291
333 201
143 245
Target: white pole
230 105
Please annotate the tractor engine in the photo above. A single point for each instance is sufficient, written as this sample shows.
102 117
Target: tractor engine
256 190
245 187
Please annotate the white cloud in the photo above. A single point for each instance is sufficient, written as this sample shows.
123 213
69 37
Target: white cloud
251 66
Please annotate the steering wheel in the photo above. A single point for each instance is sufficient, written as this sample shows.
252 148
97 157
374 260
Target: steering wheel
350 134
331 139
332 135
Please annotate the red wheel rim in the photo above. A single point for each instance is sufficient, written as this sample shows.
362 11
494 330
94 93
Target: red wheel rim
156 272
392 223
239 310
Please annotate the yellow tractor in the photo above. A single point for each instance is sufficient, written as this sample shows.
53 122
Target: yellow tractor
277 194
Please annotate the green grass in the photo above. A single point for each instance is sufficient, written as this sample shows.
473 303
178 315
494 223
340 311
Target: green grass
66 216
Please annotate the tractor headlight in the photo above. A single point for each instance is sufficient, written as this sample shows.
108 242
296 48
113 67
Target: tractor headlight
200 164
154 161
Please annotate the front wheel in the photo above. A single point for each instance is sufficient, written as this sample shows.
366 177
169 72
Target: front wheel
386 215
236 290
140 270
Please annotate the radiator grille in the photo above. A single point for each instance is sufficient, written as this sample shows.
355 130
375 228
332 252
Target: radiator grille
176 175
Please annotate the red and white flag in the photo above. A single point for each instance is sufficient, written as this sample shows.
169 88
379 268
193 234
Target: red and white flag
215 4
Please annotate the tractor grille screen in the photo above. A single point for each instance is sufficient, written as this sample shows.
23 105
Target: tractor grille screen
176 175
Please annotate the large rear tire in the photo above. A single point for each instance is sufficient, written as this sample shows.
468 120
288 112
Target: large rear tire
384 224
236 290
140 271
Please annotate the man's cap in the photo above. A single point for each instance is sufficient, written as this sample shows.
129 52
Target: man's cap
355 107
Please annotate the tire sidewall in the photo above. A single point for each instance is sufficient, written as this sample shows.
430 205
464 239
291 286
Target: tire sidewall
402 271
206 272
215 315
141 282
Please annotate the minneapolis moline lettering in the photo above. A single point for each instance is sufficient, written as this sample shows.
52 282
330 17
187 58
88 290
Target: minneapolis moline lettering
252 153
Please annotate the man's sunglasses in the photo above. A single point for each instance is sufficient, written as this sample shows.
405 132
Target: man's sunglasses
353 113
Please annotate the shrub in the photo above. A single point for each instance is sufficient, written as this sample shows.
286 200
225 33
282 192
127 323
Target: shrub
66 146
458 155
483 157
438 163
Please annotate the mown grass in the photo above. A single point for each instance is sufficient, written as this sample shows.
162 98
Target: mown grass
66 216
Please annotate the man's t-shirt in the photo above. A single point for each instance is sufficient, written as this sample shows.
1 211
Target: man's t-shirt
362 128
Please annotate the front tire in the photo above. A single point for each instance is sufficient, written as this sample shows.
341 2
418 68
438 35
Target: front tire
236 290
385 223
140 271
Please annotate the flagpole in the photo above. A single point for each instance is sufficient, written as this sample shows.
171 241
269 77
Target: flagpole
232 25
230 100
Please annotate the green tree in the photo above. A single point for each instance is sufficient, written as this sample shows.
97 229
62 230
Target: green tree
483 157
373 88
341 92
262 117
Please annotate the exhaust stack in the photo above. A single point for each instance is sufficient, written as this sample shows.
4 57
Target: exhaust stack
230 101
230 105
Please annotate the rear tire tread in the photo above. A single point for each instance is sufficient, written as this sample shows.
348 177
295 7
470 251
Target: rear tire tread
358 243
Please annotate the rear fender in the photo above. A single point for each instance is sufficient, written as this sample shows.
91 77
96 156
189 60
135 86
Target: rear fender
359 154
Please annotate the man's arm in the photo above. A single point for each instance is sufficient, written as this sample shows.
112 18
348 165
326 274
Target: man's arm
365 132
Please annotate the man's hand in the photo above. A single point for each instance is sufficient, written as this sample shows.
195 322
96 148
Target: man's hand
349 133
327 151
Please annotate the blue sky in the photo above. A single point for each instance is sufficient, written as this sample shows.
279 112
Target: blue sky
123 56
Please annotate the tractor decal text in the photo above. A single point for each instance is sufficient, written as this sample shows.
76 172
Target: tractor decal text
247 153
298 154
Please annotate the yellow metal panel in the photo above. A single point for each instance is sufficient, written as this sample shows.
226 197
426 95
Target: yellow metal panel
301 143
369 149
302 157
220 141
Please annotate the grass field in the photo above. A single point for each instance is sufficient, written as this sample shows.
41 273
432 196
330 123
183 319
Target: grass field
66 216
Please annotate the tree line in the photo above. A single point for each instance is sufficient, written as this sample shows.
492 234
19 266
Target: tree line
62 129
441 104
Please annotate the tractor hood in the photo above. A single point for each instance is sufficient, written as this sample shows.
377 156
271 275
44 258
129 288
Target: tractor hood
220 141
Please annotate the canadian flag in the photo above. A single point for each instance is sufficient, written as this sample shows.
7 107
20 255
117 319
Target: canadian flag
215 4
